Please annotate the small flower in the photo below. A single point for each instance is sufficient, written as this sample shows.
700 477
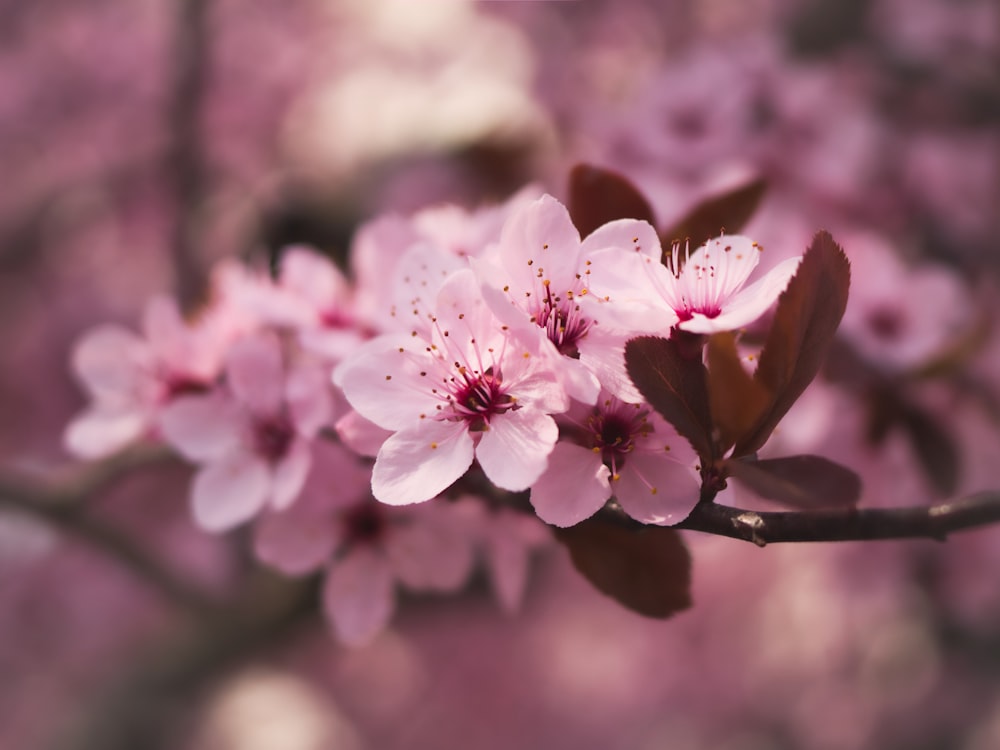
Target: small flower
132 378
621 449
463 390
705 290
365 547
253 437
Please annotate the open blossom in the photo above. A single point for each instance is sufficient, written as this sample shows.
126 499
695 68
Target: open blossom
537 278
464 390
621 449
253 437
132 378
365 547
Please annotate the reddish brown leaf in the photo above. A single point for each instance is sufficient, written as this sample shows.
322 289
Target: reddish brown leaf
805 321
597 196
676 386
648 571
727 212
802 482
736 400
934 447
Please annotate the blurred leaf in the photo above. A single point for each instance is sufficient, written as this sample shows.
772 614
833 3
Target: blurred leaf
934 447
805 321
597 196
676 386
736 400
648 571
728 213
799 481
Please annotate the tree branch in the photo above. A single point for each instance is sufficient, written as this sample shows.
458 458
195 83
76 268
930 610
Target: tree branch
842 525
62 504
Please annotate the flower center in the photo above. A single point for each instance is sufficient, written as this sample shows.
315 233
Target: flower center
563 323
177 385
478 398
886 323
364 524
614 428
272 437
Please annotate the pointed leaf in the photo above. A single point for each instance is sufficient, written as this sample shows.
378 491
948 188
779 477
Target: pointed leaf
737 401
597 196
805 320
648 571
676 386
728 212
802 482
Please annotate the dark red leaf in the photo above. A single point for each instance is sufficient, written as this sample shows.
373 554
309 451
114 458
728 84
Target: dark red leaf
736 400
648 571
934 447
676 386
727 212
805 320
802 482
597 196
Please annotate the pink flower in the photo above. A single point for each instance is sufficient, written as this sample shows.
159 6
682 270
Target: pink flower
705 291
536 280
620 449
463 390
509 537
253 437
365 547
131 378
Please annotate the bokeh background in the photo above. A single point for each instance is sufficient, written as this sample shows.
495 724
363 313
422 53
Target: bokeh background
142 141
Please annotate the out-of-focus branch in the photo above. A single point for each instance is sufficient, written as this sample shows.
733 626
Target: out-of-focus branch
63 504
185 159
842 525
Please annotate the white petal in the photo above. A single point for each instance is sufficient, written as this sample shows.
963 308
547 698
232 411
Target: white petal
748 304
293 543
289 474
514 450
229 492
574 486
256 374
99 432
358 596
655 489
418 464
202 428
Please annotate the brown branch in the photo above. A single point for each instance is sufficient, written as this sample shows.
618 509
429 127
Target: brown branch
842 525
63 504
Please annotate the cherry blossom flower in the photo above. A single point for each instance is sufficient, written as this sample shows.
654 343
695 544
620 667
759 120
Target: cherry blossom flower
253 437
465 390
365 547
703 292
131 378
536 279
621 449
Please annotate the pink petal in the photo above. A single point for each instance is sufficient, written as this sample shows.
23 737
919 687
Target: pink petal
749 303
574 486
289 474
229 492
358 596
655 489
509 539
723 263
112 363
99 432
514 450
540 231
255 374
603 354
202 428
429 554
312 277
629 235
360 435
309 399
293 543
418 464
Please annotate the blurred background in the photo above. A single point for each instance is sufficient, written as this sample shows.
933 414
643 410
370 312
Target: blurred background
142 141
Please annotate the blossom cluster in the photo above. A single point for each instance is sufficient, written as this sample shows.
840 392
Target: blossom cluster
468 353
